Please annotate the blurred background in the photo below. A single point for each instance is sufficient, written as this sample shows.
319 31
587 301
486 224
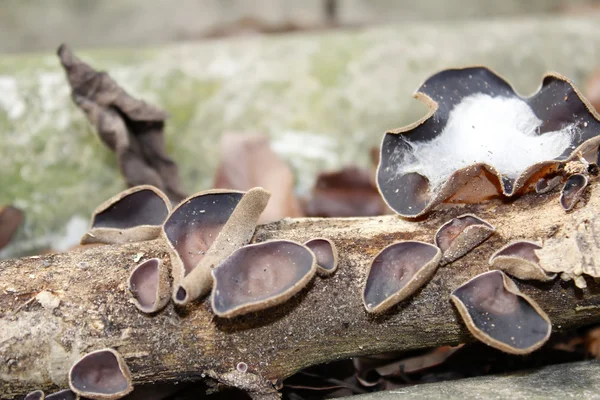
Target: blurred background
321 79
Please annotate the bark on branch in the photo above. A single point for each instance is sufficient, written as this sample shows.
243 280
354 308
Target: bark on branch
54 308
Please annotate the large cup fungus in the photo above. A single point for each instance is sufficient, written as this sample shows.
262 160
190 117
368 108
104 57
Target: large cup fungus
133 215
101 375
519 260
498 314
205 229
260 276
460 235
397 272
480 139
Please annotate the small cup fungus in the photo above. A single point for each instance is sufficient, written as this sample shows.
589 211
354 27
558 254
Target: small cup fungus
498 314
36 395
397 272
461 234
519 260
65 394
573 191
101 375
260 276
326 253
133 215
204 230
149 284
480 139
544 185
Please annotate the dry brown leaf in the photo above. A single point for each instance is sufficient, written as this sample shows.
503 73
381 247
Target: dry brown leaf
349 192
130 127
247 161
10 220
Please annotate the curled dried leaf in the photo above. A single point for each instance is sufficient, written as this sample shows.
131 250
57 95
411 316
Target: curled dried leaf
130 127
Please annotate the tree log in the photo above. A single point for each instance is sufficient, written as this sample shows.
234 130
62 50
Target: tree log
56 307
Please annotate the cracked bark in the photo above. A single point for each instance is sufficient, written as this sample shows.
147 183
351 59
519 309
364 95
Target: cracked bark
85 306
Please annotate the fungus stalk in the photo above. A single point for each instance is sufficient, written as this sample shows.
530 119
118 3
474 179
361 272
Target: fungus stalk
325 322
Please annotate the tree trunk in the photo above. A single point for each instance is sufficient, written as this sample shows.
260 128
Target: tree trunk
54 308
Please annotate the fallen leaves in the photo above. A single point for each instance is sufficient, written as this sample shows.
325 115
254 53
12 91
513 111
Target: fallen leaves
349 192
248 161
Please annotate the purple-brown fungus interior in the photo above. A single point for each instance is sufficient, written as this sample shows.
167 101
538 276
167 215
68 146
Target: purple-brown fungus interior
100 373
143 207
65 394
324 252
522 250
454 228
259 273
193 226
143 282
393 268
501 315
573 190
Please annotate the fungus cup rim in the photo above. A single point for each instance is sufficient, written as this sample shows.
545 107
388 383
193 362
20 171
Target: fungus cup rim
512 288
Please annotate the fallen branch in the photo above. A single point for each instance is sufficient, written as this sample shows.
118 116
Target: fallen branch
56 307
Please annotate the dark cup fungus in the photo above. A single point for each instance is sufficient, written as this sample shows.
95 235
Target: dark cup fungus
204 230
573 191
397 272
519 260
101 375
326 253
133 215
65 394
498 314
36 395
260 276
480 139
460 235
149 284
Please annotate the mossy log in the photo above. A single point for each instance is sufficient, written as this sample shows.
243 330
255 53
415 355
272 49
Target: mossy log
54 308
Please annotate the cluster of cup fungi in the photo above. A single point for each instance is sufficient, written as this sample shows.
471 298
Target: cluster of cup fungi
208 234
